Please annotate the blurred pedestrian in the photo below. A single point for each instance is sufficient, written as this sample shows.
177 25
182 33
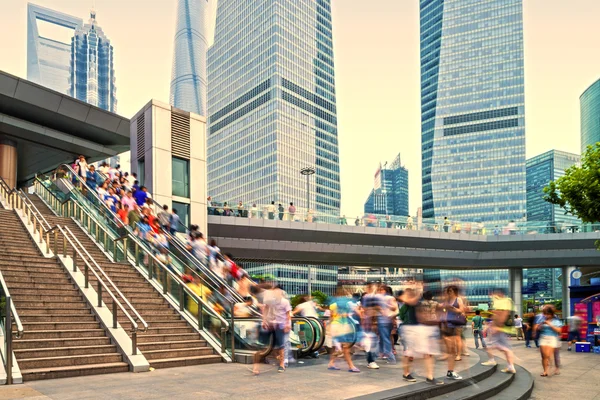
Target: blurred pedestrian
477 326
342 329
519 327
499 329
550 329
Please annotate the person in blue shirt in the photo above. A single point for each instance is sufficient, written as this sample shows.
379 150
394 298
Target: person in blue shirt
140 196
174 222
92 177
143 228
549 329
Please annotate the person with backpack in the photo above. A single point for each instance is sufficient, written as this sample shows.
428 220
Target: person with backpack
477 326
499 329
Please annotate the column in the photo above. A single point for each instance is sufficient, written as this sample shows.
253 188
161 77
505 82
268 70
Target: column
516 288
8 161
566 282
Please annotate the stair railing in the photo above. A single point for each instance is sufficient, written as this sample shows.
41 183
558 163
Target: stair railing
10 315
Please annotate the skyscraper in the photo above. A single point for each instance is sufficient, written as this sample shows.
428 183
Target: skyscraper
390 190
188 75
542 169
590 116
472 110
92 77
48 49
272 104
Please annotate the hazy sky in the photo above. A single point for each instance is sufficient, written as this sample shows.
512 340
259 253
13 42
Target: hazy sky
377 73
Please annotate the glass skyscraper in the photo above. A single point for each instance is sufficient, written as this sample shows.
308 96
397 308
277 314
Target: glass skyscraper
188 76
590 116
541 170
49 52
472 110
390 190
272 104
92 77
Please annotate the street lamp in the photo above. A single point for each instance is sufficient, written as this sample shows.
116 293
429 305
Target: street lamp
308 171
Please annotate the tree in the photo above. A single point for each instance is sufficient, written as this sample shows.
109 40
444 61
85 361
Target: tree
578 191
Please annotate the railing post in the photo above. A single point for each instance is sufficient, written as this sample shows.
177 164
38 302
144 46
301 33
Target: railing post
87 275
65 247
75 261
137 254
150 268
232 333
115 251
99 293
114 313
134 343
47 242
182 299
165 285
8 338
56 243
125 249
200 316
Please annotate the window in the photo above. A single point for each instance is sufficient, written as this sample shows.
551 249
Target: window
181 177
142 172
183 210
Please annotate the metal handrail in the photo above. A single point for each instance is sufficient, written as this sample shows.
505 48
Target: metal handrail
37 212
11 313
101 285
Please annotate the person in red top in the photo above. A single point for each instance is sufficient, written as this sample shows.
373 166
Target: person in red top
122 212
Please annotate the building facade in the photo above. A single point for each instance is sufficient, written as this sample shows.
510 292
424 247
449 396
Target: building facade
472 110
354 279
188 75
272 105
293 278
49 53
390 190
92 76
475 285
590 116
541 170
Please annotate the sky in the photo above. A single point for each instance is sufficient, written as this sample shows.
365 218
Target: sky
376 47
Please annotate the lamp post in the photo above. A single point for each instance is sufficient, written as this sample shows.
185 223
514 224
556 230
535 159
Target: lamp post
308 171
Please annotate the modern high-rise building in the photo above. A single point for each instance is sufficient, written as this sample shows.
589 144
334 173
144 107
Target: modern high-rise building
590 116
188 75
92 77
542 169
475 285
272 104
390 190
49 35
473 110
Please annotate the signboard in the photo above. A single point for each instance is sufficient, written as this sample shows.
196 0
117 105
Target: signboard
596 309
581 310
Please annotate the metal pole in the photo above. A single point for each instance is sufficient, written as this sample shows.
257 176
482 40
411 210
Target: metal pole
232 333
134 343
8 330
99 293
75 263
114 312
307 220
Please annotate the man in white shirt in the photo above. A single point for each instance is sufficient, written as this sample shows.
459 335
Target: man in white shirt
519 327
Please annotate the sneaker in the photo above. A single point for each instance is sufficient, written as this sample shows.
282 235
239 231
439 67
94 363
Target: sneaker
434 381
409 378
509 370
489 363
457 358
453 375
466 354
530 347
569 349
373 365
280 369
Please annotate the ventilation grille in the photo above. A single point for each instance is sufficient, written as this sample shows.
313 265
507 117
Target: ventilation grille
180 136
141 142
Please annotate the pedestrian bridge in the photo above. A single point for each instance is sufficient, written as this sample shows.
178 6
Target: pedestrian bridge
266 240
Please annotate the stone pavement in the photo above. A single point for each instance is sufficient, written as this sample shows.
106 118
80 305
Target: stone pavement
579 380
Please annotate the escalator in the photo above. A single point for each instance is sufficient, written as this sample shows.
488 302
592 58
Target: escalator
205 298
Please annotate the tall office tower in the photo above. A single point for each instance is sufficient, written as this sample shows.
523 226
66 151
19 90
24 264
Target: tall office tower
390 190
541 170
188 75
475 285
590 116
472 110
92 67
49 36
272 104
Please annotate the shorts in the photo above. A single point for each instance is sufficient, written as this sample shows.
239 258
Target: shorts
421 340
550 341
278 337
499 340
574 336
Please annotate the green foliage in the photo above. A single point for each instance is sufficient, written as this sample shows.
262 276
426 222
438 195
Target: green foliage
578 191
294 301
319 298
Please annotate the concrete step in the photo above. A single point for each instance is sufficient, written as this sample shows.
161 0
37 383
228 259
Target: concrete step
78 370
52 273
38 279
520 388
484 389
64 334
51 311
54 292
175 317
166 324
60 342
142 300
177 353
36 285
85 317
181 344
147 338
68 361
185 361
178 329
59 326
65 351
42 267
50 304
56 298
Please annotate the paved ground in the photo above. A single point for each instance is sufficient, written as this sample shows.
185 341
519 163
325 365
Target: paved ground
579 380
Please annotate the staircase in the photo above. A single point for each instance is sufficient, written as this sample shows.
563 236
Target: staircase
170 341
62 337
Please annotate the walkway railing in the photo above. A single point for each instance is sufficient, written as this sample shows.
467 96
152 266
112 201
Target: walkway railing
10 316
